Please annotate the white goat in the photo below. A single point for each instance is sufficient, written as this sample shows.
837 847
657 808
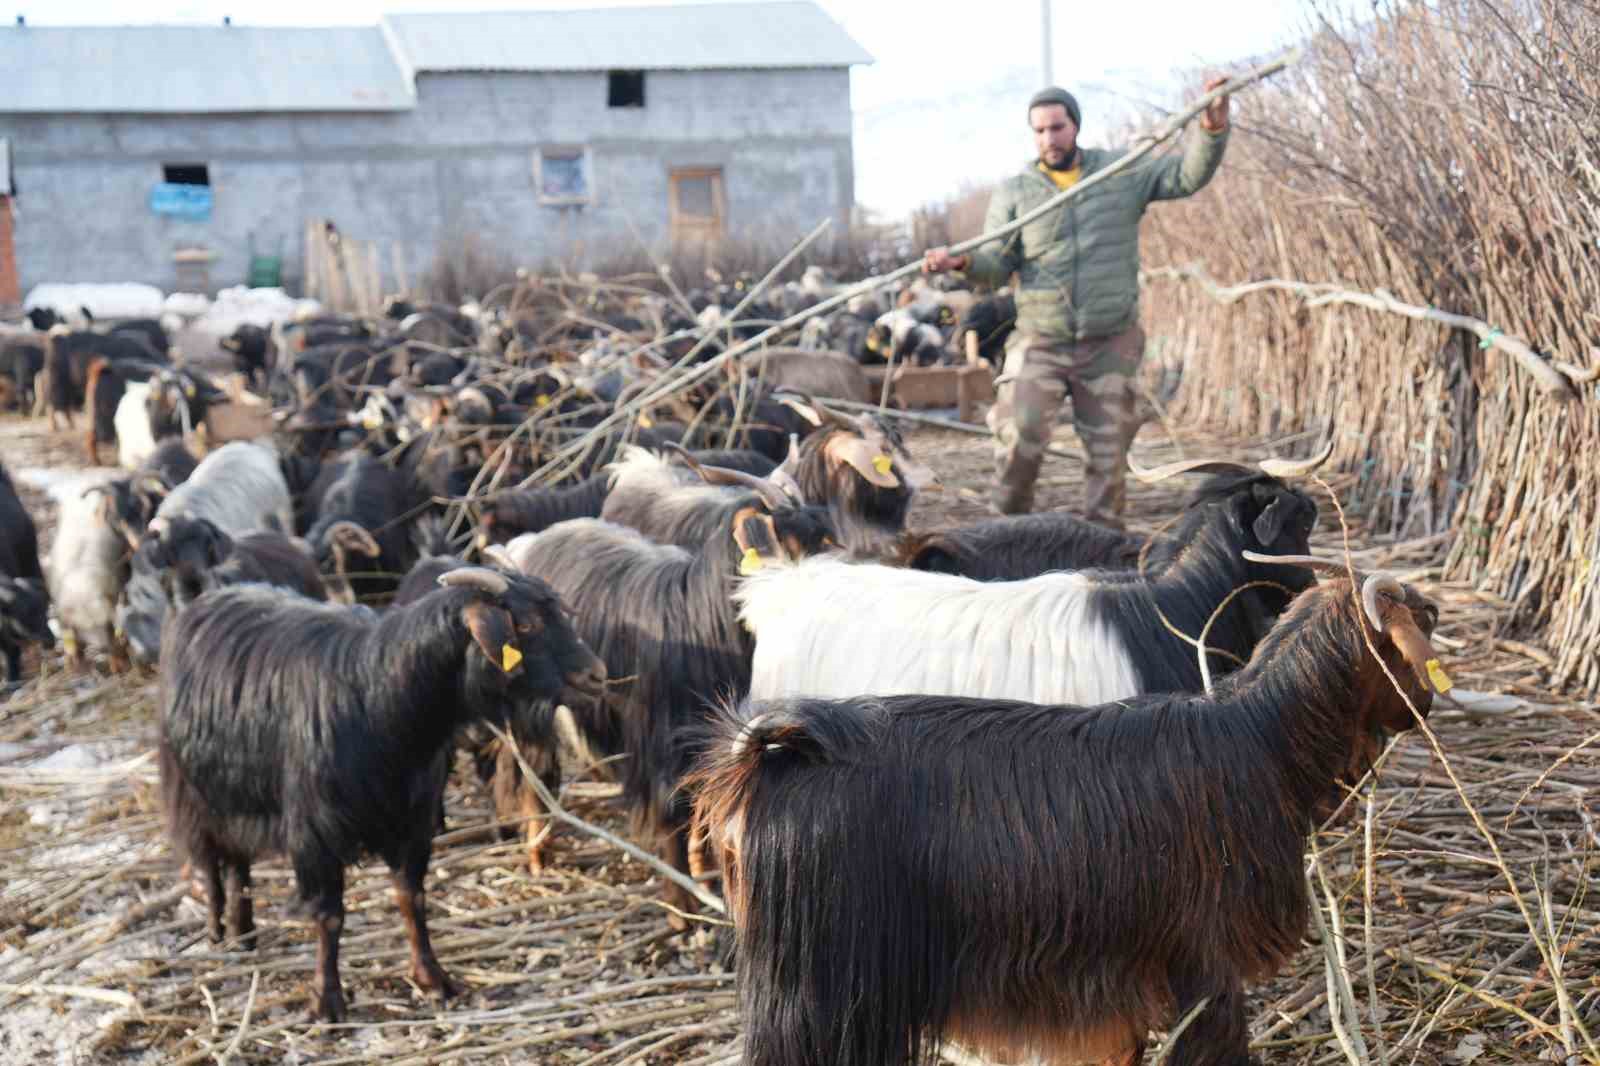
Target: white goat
134 442
84 571
238 488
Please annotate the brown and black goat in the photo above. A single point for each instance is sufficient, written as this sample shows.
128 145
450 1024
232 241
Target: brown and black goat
1045 881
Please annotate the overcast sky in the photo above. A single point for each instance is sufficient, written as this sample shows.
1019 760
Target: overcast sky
943 104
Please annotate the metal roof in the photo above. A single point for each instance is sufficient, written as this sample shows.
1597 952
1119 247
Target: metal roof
254 69
795 33
199 69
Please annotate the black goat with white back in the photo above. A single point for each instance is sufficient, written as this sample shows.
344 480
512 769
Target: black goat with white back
829 628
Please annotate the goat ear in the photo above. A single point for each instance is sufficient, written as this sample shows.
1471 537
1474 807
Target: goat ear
492 631
1269 523
1417 650
8 594
875 467
757 539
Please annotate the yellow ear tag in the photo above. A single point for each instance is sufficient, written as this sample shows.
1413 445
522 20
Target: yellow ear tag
1441 680
872 342
372 420
541 400
188 390
882 463
750 562
509 657
645 422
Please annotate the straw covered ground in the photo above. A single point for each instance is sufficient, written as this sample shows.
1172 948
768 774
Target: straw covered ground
1454 888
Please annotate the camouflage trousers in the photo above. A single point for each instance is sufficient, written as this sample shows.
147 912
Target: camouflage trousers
1039 374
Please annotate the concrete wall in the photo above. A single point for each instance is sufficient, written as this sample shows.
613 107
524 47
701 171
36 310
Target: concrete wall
459 165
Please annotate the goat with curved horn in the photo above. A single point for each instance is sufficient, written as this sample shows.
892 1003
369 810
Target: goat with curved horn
1297 467
772 495
1161 473
477 577
1372 586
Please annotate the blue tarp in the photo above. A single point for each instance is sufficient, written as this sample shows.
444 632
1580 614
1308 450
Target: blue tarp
181 201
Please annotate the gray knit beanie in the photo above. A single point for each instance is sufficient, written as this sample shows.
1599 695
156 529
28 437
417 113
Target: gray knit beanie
1057 95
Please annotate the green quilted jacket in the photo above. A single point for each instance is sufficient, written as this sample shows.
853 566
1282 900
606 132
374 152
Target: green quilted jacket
1077 267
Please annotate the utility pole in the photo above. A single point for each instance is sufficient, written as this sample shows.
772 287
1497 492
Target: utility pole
1044 36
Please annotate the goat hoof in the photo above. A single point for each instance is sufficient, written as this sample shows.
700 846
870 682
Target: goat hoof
434 980
328 1007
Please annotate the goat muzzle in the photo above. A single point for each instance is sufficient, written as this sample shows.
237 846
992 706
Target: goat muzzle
589 684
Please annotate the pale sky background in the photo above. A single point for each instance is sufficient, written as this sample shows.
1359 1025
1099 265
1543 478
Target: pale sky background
944 103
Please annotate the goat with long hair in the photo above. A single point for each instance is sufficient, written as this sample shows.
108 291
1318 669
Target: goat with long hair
660 617
319 732
1045 881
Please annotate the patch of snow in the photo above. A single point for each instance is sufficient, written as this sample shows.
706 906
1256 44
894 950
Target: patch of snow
239 305
109 300
188 304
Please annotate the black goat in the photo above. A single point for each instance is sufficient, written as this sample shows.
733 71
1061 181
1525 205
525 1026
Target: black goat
189 557
1023 546
252 350
992 318
659 615
360 506
72 352
319 731
148 330
21 360
1044 882
24 602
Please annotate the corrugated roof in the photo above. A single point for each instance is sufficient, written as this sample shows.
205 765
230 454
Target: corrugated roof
199 69
215 69
694 36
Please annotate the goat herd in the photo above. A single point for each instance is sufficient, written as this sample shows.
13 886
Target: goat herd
1029 785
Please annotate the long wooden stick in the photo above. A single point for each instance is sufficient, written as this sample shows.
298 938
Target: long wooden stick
1557 379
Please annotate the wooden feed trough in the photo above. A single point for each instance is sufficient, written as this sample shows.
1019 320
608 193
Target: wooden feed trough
965 388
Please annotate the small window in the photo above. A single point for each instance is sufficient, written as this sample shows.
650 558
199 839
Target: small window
564 175
625 88
185 174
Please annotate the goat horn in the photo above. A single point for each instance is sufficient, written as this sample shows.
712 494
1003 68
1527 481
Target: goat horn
1297 467
497 554
1314 562
772 495
783 475
832 418
1182 466
688 459
1370 588
476 577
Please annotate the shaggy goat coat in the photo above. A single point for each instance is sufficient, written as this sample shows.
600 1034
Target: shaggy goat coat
1048 881
237 488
